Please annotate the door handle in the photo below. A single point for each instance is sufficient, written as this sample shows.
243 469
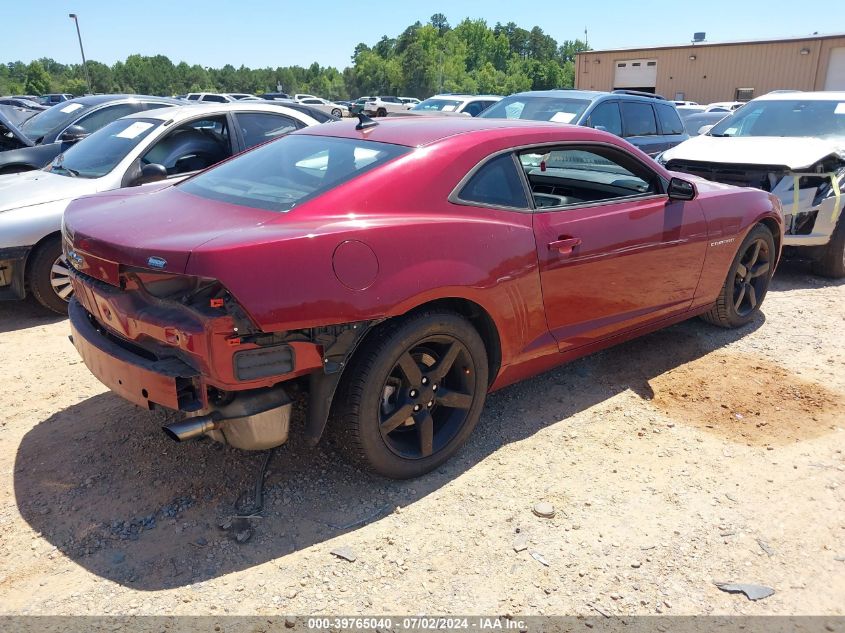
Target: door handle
565 245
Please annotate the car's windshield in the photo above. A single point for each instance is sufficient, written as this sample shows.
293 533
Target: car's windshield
279 175
793 117
536 108
440 105
98 154
60 115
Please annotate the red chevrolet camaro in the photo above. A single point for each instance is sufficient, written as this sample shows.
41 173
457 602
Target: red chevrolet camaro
396 273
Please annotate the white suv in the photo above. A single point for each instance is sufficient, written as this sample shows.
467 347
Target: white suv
382 106
468 105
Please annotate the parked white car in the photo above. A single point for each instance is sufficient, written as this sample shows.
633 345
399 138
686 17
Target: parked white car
410 101
164 144
382 106
329 107
724 106
791 144
467 105
220 97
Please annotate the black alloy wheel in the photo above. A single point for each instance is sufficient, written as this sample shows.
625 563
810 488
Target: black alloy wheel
752 277
747 281
427 397
411 394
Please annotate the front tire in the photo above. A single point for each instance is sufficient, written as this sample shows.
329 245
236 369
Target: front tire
49 277
747 283
337 112
832 262
412 394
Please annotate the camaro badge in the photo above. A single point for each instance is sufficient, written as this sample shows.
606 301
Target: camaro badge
156 262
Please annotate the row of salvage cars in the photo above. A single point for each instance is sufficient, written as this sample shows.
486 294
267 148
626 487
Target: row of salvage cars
392 272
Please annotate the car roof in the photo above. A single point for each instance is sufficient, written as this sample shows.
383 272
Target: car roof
829 95
92 100
420 131
189 110
464 97
593 95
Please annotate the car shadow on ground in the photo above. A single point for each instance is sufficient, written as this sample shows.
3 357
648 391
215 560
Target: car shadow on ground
20 315
797 274
102 484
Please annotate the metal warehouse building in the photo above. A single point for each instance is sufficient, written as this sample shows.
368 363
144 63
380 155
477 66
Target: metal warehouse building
706 72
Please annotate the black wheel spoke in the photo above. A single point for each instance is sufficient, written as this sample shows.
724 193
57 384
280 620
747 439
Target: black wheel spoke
760 269
454 399
396 418
740 297
446 361
754 254
752 296
410 369
741 270
425 430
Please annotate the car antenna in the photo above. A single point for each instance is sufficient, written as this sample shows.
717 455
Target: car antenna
364 122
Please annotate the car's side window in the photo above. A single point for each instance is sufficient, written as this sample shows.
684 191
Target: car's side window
496 183
192 146
564 177
474 108
258 127
214 98
639 119
99 118
606 116
670 122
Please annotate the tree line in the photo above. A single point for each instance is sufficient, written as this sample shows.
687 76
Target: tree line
424 59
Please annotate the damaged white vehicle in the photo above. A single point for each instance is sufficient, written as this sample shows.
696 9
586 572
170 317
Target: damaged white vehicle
791 144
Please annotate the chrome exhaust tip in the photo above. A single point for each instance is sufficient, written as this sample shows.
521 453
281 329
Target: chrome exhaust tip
190 428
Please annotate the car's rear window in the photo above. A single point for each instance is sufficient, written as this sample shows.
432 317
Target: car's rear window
537 108
287 172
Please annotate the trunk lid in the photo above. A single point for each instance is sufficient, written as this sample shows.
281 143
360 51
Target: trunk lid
156 227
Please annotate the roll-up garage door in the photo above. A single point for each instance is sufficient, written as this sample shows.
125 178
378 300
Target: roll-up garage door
635 74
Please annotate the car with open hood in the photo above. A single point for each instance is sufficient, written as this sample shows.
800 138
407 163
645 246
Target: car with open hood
164 144
34 142
791 144
394 273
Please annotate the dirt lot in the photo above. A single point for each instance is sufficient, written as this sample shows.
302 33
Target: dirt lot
691 456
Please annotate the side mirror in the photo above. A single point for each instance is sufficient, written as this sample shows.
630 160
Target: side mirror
73 134
151 173
704 129
680 189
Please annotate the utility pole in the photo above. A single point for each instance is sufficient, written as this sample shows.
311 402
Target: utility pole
81 50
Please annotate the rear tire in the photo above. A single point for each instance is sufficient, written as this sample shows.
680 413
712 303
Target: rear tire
412 394
49 278
747 282
337 112
832 262
381 112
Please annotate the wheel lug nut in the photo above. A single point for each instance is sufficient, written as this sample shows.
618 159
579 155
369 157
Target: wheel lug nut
416 407
425 380
413 393
430 403
434 387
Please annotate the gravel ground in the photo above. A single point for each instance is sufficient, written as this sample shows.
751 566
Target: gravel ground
689 457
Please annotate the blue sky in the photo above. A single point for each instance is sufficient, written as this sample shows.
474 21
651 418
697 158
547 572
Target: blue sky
260 33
